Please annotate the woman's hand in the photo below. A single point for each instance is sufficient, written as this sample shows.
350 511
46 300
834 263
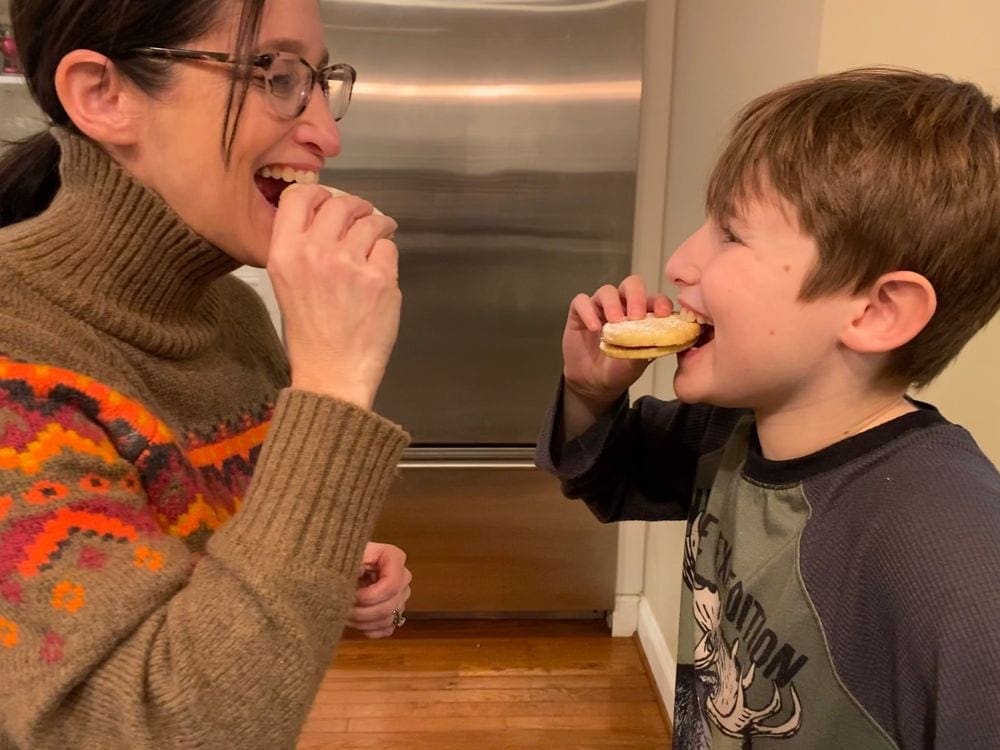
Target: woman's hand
335 276
594 381
383 588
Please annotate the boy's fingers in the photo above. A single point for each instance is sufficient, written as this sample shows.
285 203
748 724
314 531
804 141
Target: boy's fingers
609 300
660 305
633 291
583 307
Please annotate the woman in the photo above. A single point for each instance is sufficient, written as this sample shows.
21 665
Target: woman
168 576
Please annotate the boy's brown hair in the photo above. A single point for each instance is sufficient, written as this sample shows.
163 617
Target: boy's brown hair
888 169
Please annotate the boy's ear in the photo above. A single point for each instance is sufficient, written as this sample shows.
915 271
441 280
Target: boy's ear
895 309
98 99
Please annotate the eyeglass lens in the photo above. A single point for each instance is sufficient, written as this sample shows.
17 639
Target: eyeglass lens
290 82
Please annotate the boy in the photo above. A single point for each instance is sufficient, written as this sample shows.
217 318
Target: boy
842 563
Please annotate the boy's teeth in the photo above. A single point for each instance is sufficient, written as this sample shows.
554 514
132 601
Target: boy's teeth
691 317
290 175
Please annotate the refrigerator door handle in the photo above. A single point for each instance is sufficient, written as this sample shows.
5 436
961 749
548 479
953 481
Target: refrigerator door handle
466 465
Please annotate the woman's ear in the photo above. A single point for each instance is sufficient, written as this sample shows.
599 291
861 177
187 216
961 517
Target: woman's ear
97 98
895 309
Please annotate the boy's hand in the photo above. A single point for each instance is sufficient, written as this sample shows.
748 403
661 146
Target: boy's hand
591 377
334 274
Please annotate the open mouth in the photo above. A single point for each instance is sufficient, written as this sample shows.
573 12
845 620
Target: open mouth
273 180
707 328
706 336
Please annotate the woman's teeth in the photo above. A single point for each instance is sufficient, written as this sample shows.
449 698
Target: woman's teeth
290 175
691 317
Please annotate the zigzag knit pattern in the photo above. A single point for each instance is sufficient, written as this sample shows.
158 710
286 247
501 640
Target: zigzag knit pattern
80 458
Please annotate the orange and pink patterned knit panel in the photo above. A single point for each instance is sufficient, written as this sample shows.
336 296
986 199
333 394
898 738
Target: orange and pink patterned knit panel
79 458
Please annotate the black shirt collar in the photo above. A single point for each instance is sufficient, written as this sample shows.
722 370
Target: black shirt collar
792 471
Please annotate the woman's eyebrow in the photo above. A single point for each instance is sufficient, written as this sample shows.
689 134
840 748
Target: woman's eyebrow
286 44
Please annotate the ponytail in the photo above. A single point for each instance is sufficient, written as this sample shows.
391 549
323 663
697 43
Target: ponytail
29 177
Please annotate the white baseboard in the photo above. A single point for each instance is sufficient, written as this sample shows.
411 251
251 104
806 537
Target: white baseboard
625 618
662 663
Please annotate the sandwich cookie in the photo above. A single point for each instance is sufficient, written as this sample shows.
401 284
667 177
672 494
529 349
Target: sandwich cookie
336 191
375 211
649 338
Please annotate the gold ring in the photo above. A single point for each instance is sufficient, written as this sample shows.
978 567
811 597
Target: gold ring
398 620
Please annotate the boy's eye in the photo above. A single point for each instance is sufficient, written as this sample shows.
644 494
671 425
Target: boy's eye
729 237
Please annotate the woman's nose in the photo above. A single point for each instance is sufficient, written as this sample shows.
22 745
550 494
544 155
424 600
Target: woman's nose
317 126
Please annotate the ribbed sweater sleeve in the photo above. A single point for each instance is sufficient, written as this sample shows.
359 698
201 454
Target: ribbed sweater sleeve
113 634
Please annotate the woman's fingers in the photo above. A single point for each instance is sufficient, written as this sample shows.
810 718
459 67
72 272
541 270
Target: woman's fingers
382 611
362 236
385 255
335 276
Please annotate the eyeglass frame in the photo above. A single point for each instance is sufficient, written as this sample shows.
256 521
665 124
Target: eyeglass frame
264 60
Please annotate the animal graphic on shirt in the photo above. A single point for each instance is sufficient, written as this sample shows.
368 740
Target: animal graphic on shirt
717 668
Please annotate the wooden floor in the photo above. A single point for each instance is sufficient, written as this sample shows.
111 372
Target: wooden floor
485 684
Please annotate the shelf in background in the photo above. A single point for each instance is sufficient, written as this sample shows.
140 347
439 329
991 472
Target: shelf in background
11 80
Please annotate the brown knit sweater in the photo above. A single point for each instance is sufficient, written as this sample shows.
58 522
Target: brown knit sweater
169 576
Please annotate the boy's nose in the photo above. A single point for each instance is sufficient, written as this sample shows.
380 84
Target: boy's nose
682 267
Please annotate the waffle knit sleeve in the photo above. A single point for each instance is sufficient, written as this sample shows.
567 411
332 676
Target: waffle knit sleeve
113 634
634 463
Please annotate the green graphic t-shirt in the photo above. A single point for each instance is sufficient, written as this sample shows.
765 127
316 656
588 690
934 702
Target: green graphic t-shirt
847 599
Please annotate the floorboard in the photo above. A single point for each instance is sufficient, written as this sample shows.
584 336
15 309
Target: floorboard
485 684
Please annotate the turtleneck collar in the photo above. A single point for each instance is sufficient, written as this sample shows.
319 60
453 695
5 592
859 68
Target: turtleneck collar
111 251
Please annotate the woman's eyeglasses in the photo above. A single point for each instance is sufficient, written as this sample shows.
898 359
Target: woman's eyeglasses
288 78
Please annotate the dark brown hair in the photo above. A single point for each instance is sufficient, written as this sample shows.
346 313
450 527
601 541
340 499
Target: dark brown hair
887 169
47 30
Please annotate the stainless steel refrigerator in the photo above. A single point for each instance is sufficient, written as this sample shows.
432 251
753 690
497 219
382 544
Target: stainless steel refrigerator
502 135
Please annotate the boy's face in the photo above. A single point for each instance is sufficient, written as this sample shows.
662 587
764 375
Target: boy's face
771 351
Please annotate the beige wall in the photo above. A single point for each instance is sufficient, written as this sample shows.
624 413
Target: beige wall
728 51
725 53
958 38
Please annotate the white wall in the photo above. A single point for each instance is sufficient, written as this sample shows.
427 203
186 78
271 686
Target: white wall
725 53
